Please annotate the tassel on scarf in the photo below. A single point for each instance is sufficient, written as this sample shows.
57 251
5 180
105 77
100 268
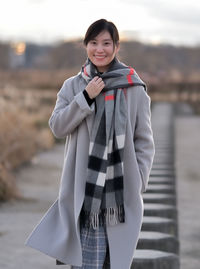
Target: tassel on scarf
109 216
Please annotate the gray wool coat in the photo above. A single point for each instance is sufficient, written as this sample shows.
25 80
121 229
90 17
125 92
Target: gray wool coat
58 233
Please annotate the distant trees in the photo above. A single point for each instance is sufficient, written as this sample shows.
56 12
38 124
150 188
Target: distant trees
162 61
4 55
153 59
67 55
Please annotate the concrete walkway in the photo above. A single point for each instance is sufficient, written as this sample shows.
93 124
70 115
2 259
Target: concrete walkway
39 181
187 129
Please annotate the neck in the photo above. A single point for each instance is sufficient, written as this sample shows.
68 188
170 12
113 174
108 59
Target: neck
107 67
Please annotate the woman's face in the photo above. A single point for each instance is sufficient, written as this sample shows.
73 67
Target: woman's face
101 50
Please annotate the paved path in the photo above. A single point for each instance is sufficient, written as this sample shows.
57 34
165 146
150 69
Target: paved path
188 185
39 182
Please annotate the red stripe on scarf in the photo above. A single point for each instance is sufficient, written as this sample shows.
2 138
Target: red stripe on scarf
109 97
85 72
129 76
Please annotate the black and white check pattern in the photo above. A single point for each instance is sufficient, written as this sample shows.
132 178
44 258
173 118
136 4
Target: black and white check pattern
104 201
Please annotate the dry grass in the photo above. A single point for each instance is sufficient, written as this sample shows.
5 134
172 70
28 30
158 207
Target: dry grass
17 146
24 115
7 184
35 79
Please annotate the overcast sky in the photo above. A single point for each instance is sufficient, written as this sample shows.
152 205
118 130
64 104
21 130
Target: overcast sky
171 21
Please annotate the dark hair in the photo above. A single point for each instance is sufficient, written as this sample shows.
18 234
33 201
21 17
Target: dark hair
99 26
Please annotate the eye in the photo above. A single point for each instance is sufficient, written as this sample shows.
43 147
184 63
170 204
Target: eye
107 43
93 42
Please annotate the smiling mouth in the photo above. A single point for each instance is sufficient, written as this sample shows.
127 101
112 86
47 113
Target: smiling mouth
100 56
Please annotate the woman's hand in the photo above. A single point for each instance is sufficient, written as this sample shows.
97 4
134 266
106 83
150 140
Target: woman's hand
94 87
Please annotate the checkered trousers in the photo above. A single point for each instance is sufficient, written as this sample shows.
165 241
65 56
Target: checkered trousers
94 248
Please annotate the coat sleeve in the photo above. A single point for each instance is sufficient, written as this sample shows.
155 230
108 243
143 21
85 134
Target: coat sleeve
143 138
70 110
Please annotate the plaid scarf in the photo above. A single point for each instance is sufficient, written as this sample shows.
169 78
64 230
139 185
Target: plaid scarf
104 201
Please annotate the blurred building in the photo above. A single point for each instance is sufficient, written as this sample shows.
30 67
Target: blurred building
17 55
28 55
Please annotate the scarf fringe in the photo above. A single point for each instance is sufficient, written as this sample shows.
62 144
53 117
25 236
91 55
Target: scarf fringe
109 216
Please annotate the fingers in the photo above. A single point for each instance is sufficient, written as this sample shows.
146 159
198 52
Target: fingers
97 80
95 86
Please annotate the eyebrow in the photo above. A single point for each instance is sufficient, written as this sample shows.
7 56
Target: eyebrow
108 39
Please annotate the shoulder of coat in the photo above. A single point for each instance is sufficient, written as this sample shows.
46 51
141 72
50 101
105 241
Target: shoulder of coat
137 93
136 89
73 85
69 81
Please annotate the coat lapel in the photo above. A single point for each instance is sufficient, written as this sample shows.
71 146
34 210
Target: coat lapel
79 85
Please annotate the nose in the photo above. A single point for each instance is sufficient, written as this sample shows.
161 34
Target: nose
99 49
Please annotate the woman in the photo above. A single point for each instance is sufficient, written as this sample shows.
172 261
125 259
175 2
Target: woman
104 113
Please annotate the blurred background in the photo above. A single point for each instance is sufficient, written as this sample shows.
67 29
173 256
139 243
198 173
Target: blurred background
41 46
